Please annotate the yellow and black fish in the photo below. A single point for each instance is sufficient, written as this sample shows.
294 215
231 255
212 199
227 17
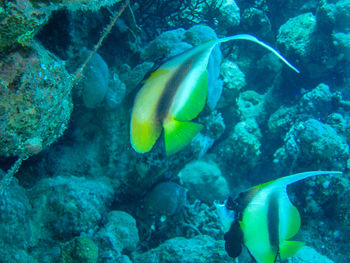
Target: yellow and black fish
174 95
264 220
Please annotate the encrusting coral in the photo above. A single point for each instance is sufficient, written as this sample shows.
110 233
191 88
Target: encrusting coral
31 82
39 72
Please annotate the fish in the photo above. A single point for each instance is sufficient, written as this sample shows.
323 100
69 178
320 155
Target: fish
264 220
174 94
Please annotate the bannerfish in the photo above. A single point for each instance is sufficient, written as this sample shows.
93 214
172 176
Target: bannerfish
264 220
175 94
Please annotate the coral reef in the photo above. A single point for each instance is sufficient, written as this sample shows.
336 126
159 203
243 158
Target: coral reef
308 254
233 80
317 143
167 15
204 181
81 249
250 105
82 194
20 21
228 14
282 119
295 36
119 234
80 206
341 41
317 102
201 249
15 226
33 112
244 146
74 5
163 45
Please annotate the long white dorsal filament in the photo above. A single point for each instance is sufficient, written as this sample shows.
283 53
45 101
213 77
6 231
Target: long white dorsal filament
254 39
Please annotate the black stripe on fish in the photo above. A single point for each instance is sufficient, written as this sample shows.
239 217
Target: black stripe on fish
234 240
234 237
171 87
273 220
173 84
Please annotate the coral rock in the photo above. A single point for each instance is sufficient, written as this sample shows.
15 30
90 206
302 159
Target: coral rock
119 233
295 36
67 206
35 105
204 181
309 255
79 250
165 199
181 250
250 104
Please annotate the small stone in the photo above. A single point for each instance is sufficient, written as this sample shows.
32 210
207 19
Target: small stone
79 250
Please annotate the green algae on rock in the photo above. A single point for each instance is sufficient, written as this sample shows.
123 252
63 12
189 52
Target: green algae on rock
19 22
79 250
32 82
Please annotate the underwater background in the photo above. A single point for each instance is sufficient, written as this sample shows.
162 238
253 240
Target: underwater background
73 189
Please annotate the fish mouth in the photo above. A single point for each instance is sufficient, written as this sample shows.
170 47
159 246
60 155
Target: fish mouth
220 207
219 203
229 204
226 217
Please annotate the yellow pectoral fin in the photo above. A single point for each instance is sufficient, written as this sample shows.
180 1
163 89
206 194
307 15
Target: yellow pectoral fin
290 248
288 228
178 134
144 134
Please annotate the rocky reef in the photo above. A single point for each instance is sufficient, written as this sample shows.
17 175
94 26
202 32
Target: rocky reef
72 188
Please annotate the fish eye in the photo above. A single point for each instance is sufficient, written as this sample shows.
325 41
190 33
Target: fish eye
230 204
